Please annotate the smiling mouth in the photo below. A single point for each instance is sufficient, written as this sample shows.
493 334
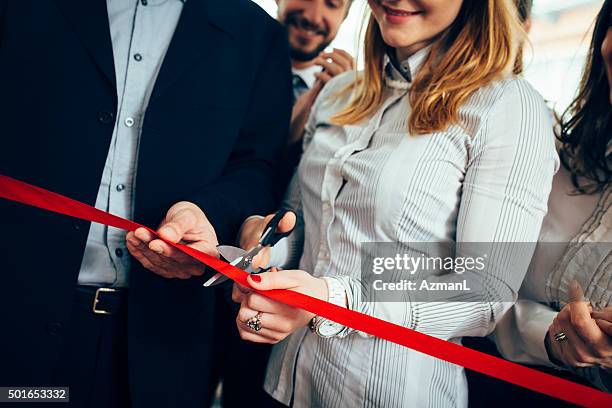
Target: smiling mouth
309 32
399 13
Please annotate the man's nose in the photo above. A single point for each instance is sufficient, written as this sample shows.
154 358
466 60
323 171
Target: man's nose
315 12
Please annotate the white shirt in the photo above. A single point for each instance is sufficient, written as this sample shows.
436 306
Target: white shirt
307 74
487 181
575 243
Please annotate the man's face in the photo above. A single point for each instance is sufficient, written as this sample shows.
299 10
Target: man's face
312 24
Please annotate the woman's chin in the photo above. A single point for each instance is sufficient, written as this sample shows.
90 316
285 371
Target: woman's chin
396 38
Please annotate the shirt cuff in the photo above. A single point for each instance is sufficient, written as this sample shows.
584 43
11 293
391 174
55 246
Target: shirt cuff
533 321
352 290
279 254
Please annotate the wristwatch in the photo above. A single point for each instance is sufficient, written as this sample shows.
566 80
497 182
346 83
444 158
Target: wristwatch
337 295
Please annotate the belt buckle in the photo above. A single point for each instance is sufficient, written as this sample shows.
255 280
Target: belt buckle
97 299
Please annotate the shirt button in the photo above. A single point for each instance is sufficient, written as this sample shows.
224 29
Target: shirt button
129 122
138 57
105 117
144 2
120 187
119 252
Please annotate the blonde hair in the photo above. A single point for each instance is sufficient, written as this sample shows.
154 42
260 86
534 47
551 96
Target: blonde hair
479 47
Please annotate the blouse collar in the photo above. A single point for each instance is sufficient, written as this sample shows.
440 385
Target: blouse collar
399 75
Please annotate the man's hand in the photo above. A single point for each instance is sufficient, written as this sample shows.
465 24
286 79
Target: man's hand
253 228
333 63
586 344
185 223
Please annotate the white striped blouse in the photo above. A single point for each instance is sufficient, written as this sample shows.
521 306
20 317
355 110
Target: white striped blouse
484 181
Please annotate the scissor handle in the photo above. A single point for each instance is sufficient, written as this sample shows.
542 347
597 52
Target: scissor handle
270 236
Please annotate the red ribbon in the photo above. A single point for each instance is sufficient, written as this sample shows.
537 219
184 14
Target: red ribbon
523 376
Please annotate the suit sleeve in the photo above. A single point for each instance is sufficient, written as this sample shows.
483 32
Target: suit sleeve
248 185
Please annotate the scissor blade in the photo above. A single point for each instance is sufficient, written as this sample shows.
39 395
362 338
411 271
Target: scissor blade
238 257
247 259
230 253
215 280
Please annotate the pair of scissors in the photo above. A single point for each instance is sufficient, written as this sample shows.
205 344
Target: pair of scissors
243 259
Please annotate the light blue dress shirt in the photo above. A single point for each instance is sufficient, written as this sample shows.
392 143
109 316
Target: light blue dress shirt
141 31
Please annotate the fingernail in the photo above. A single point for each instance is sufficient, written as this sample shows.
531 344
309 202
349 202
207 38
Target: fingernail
256 278
575 291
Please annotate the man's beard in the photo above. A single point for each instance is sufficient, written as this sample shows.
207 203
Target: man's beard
297 20
303 56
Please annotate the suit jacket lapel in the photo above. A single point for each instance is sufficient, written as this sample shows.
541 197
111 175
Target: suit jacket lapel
89 19
202 25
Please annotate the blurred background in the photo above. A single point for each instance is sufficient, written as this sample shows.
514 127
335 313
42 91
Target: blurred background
554 57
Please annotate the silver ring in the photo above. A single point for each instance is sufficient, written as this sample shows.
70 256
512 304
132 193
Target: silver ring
254 322
560 336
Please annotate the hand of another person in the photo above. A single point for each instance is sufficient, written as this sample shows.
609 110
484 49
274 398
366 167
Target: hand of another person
575 338
603 318
301 112
185 223
253 228
333 63
276 320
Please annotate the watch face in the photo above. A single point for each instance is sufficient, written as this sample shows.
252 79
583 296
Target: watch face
329 328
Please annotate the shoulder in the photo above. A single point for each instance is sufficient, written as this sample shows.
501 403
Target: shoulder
251 9
521 93
335 95
515 95
339 83
244 20
511 102
255 19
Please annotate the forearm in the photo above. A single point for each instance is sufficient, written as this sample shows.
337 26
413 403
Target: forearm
442 319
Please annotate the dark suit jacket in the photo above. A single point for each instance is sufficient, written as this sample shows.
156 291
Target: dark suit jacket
217 118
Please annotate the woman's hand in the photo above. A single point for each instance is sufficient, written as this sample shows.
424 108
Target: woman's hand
586 343
277 320
603 318
253 228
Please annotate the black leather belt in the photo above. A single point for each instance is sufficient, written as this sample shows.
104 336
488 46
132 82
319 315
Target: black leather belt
102 300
